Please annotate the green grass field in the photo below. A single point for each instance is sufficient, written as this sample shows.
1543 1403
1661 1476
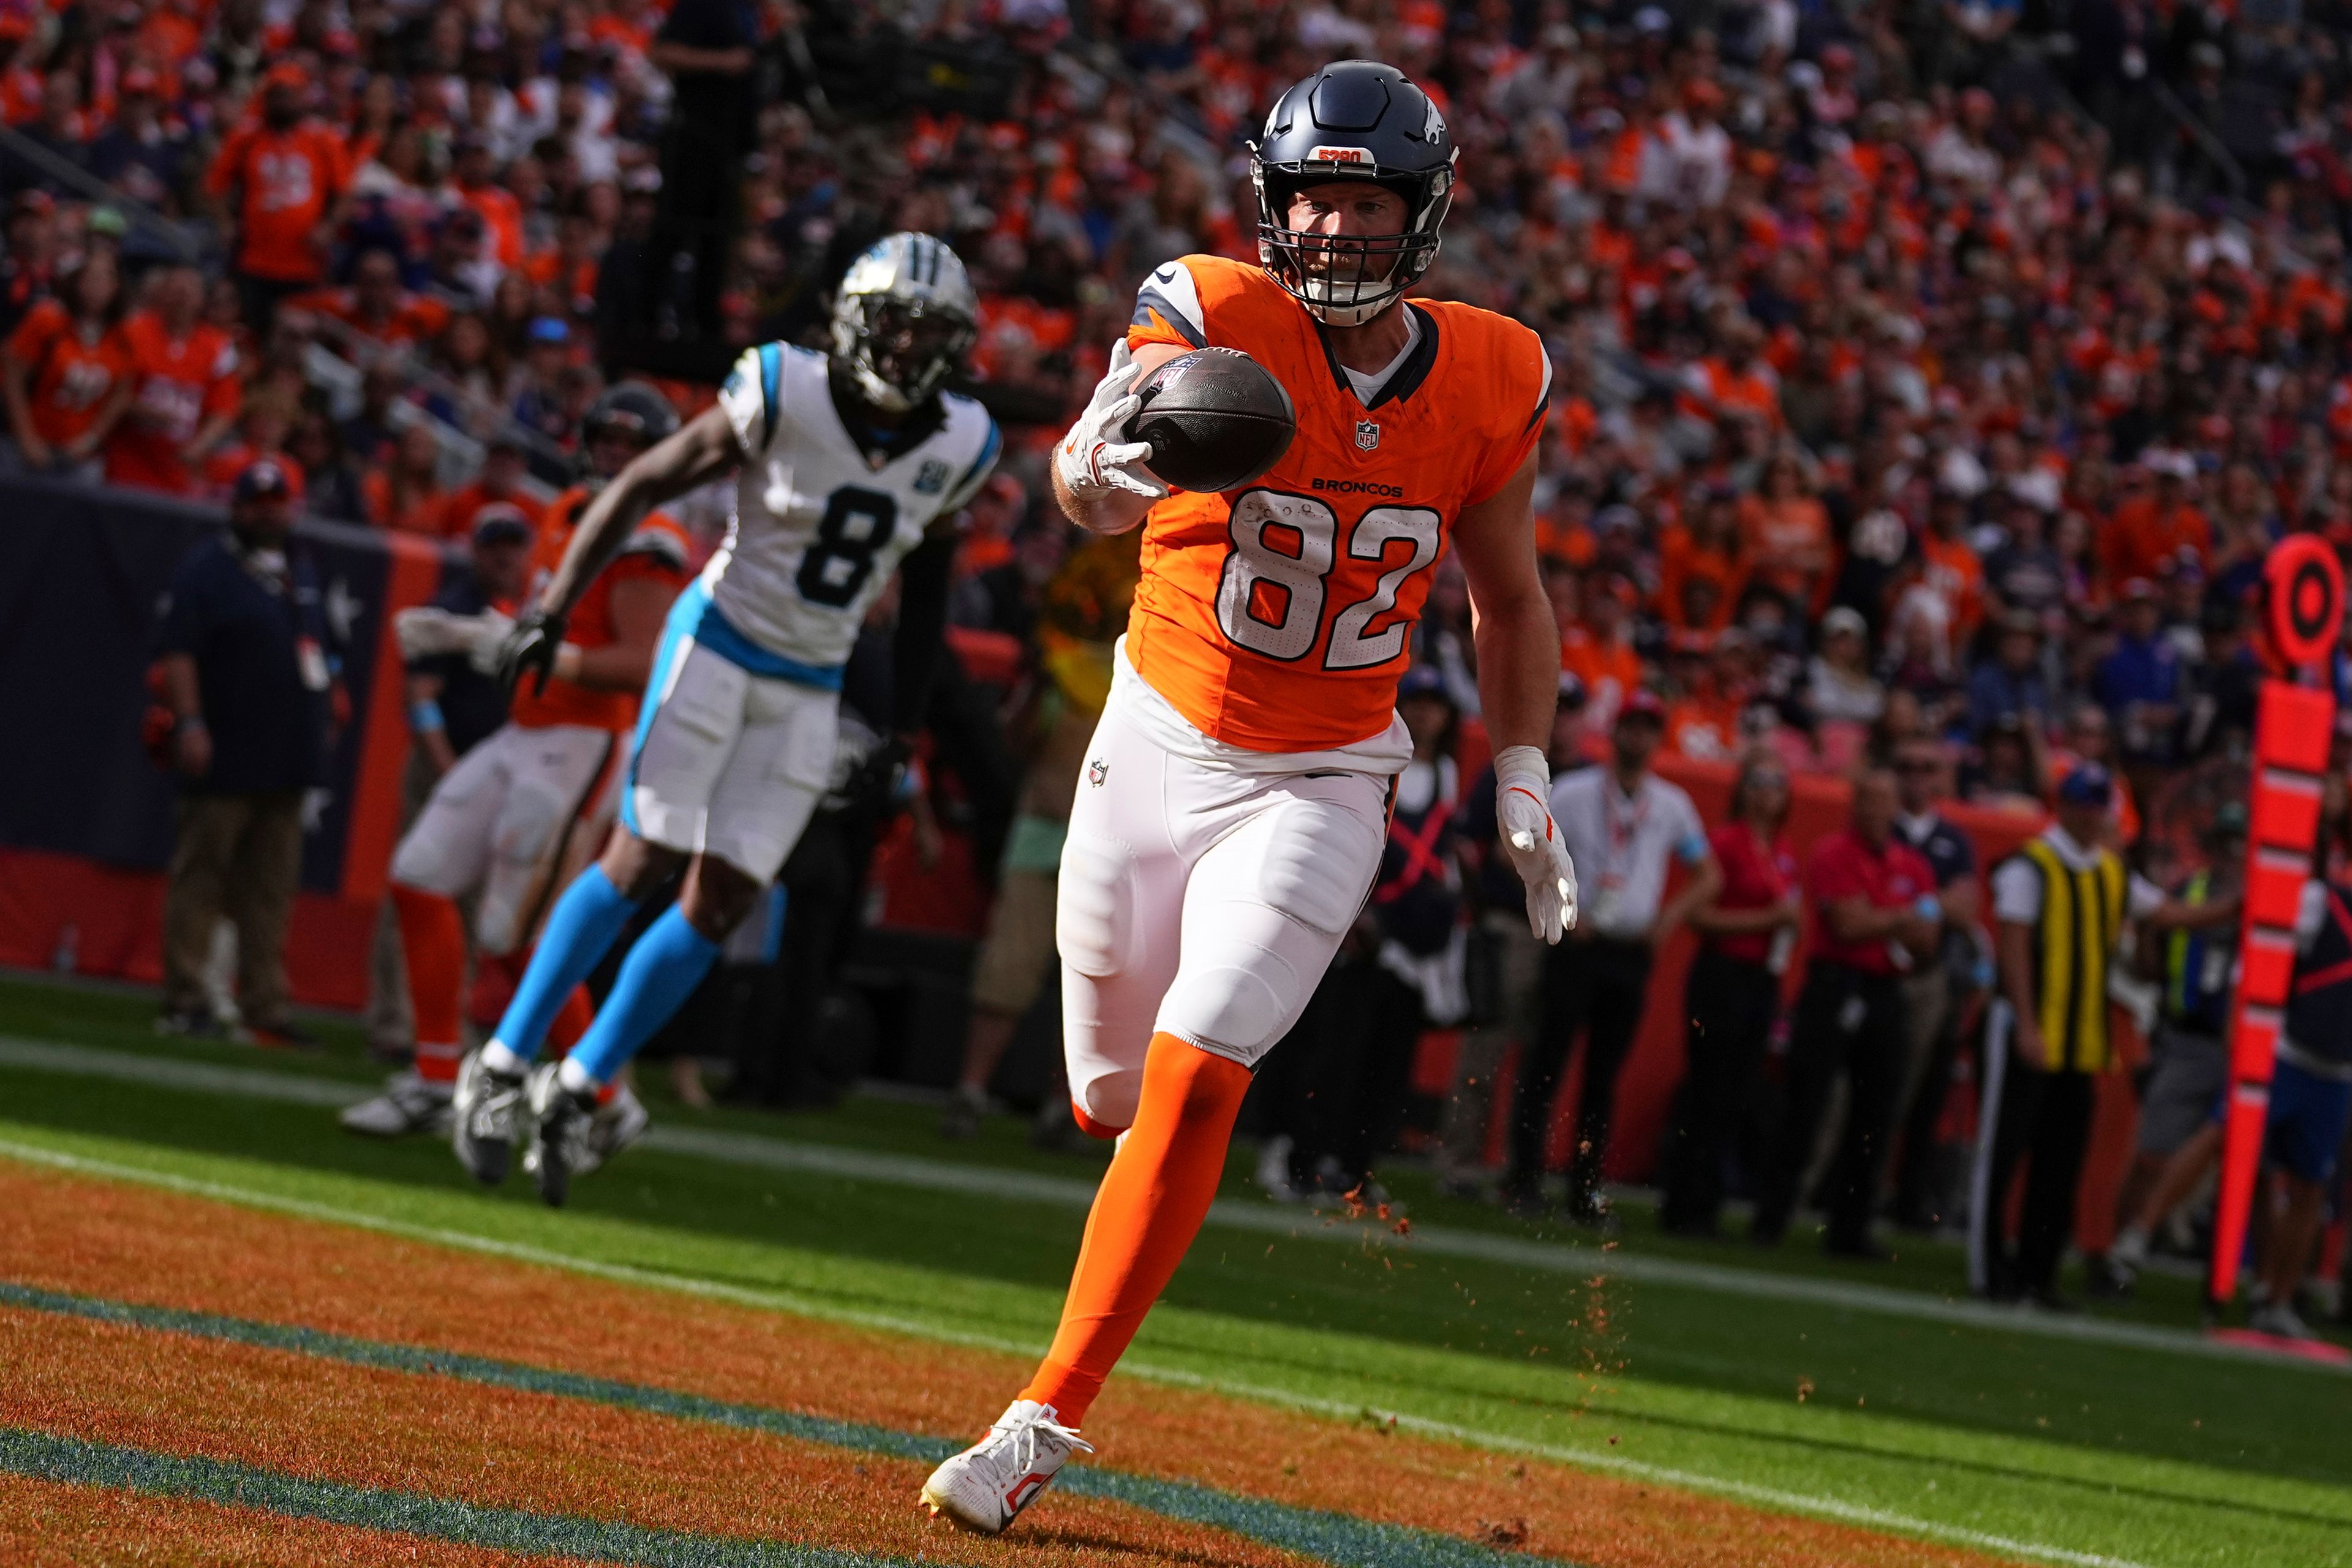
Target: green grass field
1792 1384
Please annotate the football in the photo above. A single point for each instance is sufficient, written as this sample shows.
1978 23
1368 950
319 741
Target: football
1214 418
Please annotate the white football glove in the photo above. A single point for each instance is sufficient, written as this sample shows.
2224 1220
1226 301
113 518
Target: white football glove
426 631
1532 840
489 636
1095 459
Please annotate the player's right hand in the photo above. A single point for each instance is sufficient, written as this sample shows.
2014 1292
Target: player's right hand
1096 460
1533 841
530 648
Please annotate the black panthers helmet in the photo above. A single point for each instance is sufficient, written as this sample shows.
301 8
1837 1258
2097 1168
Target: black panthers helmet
1355 120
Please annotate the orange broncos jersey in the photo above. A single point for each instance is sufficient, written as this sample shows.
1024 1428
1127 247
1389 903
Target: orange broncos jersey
658 549
69 370
1275 617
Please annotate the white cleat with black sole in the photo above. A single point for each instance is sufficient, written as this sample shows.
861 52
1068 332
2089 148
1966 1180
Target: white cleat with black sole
563 1124
985 1488
408 1104
482 1118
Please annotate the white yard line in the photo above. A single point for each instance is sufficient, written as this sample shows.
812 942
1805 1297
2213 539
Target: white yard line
1256 1218
1815 1504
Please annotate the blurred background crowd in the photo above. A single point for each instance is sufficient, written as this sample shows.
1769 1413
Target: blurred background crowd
1930 378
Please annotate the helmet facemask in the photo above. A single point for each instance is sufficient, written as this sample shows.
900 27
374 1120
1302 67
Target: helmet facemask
1345 280
897 351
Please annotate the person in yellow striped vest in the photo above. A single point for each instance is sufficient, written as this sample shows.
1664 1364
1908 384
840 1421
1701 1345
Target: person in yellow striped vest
2059 907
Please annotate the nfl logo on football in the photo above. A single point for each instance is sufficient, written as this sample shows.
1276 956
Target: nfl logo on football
1368 436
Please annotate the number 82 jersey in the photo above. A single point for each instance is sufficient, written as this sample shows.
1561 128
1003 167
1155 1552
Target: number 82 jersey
1275 617
820 524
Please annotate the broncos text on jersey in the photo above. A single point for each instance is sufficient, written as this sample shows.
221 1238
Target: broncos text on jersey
1275 617
820 526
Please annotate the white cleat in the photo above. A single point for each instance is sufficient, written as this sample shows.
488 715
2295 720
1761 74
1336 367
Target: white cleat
985 1488
408 1104
619 1122
482 1118
2280 1320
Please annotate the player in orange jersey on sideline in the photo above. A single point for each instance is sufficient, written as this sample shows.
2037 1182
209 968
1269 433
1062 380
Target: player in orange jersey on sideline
503 822
1235 803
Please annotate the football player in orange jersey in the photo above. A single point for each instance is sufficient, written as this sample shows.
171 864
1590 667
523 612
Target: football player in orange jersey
504 821
1233 805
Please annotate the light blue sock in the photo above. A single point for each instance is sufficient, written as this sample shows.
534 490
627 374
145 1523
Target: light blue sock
661 972
580 930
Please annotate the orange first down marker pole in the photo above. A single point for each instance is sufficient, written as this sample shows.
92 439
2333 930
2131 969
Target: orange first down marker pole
2304 588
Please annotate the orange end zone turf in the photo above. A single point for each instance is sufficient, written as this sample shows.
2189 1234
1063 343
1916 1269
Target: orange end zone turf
101 1239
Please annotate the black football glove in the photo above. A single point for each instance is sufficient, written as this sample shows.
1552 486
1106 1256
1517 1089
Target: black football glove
875 784
529 649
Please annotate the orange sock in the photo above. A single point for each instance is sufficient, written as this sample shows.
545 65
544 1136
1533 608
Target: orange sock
1146 1213
432 940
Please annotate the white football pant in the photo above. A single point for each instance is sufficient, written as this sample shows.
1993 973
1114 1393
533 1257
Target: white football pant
503 820
1200 900
729 764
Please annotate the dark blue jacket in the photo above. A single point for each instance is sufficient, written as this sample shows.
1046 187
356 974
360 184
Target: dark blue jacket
262 668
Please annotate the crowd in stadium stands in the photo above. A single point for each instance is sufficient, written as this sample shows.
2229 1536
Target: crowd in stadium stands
1931 378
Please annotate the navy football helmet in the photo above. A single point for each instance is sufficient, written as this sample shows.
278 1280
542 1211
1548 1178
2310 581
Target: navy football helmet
1357 119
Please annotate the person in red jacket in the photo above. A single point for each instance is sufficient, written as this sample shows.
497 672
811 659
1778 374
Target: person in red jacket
182 393
1875 914
290 174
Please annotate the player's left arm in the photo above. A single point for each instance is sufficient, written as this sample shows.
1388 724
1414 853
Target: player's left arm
1511 617
1518 644
704 450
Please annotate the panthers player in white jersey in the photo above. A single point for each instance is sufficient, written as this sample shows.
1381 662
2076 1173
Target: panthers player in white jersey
850 463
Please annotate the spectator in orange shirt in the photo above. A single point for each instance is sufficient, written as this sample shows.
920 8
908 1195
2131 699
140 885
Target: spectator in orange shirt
406 493
478 187
290 174
1598 650
500 484
20 85
62 366
377 307
1788 534
1949 568
1736 382
1702 566
182 393
1703 718
2149 529
2090 738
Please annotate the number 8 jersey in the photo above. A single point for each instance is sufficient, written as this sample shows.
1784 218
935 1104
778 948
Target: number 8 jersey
1275 617
820 524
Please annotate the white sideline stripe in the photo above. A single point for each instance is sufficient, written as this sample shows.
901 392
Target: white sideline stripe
813 1307
1258 1220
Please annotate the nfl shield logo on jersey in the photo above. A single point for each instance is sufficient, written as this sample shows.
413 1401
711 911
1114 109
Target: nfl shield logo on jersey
1368 436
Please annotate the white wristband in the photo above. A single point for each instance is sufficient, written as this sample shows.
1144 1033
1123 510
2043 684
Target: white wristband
1523 767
